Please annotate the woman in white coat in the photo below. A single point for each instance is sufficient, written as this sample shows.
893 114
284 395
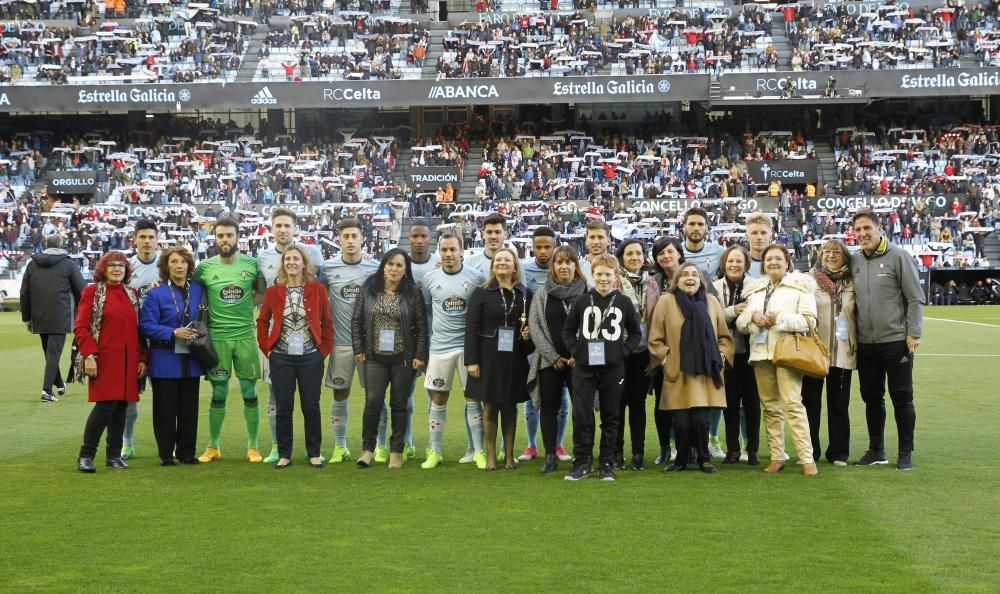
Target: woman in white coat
785 303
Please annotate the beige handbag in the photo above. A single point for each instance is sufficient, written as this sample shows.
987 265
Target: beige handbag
804 353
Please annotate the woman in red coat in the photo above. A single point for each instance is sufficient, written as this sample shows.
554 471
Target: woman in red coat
107 335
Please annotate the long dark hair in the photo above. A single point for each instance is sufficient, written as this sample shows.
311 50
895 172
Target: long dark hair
375 283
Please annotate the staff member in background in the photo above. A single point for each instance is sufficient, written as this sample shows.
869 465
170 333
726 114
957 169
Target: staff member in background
295 333
174 374
389 330
107 334
689 335
50 290
783 304
890 308
631 255
497 344
551 376
741 387
837 327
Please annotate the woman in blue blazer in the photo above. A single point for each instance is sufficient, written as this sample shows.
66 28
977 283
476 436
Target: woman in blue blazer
173 372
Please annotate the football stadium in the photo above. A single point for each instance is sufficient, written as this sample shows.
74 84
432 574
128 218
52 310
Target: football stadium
352 294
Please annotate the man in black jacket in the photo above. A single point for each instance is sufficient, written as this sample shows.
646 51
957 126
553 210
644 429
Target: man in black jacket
50 290
602 329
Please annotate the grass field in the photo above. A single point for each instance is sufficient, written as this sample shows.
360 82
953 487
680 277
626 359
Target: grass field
230 526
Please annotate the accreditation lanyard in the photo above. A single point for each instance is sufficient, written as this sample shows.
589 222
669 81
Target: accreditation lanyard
505 335
185 317
761 338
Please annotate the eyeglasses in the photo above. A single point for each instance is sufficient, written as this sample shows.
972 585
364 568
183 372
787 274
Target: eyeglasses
117 265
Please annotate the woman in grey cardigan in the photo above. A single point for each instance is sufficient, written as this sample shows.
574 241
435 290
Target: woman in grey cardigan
552 363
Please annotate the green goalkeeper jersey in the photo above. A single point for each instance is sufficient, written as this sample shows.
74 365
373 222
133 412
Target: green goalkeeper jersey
230 296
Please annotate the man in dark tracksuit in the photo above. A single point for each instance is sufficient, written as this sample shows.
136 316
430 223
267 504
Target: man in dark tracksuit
602 329
889 309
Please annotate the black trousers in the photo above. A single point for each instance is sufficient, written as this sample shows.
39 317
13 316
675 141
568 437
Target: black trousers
634 399
52 346
108 416
741 389
305 371
398 379
691 435
838 419
608 383
877 363
662 418
550 387
175 416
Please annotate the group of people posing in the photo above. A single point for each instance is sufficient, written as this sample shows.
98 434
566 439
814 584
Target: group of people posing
684 319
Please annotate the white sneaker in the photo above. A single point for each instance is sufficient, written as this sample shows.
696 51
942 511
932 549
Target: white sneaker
468 458
714 450
787 457
744 457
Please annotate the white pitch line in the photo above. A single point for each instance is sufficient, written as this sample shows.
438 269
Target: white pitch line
952 355
964 322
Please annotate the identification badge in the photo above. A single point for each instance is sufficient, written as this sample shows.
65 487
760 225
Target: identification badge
505 340
840 325
595 352
387 340
181 347
761 337
296 343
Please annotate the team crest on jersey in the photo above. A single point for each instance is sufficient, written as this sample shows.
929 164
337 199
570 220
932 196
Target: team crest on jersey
351 291
232 294
454 305
244 275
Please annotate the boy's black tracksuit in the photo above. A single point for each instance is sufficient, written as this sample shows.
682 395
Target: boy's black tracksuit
614 322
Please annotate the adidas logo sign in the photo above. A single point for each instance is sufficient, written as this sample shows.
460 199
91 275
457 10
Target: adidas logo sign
263 97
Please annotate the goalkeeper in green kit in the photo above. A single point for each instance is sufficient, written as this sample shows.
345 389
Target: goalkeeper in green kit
230 280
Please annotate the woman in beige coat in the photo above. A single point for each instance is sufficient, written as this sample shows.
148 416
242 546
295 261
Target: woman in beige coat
785 303
837 329
688 334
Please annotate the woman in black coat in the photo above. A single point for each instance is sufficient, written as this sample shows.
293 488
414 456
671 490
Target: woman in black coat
389 332
497 344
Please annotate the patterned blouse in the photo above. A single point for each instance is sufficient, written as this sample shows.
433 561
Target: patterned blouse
387 314
295 320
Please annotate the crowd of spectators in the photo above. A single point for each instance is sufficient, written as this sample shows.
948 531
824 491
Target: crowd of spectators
345 46
206 47
568 43
960 158
890 36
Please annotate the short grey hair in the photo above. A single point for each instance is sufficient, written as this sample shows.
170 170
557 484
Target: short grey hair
54 241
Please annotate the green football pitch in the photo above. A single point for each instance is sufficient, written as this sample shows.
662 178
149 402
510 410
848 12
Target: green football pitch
231 526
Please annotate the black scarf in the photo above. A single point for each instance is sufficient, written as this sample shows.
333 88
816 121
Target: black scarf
735 292
699 345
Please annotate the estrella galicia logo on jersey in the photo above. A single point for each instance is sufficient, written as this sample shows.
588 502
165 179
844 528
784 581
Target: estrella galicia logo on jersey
351 291
232 294
438 382
338 381
143 290
454 305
